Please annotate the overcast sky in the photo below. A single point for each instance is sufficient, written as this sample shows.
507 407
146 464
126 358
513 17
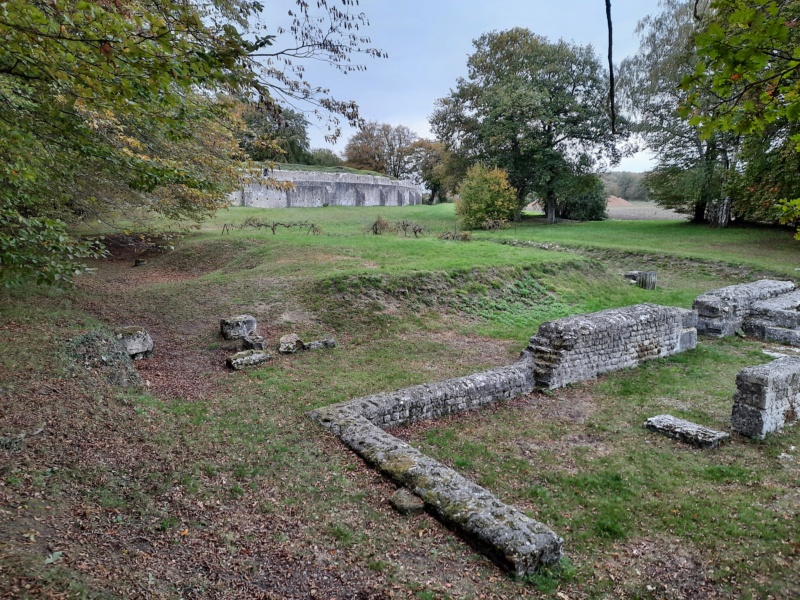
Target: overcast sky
428 42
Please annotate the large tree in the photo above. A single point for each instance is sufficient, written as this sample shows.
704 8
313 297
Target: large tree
534 108
281 138
749 68
125 104
690 167
381 147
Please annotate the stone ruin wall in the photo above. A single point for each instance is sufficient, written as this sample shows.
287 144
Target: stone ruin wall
767 397
521 544
722 312
315 189
584 346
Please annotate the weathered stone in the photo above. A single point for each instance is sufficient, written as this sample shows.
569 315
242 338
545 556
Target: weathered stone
100 355
503 532
320 344
686 431
407 503
647 280
254 342
135 340
312 189
722 311
767 397
236 328
584 346
248 358
290 344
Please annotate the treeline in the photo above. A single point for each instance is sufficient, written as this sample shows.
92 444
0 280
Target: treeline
626 185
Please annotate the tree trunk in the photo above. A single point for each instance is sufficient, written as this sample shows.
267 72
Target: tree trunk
550 207
432 199
699 213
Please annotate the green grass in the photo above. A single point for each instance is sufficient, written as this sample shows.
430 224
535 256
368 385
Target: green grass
243 457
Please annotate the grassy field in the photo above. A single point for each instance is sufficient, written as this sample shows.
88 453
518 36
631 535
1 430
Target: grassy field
207 483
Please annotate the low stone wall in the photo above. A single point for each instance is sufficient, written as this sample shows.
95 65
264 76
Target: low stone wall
503 532
581 347
314 189
767 397
775 319
722 312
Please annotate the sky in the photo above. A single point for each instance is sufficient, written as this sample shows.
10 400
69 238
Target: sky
428 43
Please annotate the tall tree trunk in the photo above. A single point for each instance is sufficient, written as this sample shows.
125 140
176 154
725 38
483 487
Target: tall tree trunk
550 207
432 199
699 212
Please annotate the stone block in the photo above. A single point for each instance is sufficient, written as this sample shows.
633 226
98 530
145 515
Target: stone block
686 431
237 328
722 311
254 342
320 344
767 397
248 358
135 340
407 503
289 344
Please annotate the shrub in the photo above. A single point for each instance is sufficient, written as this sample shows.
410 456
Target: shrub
486 195
586 203
379 226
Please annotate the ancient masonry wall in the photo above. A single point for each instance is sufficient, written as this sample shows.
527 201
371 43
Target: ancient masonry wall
314 189
581 347
722 312
503 532
767 397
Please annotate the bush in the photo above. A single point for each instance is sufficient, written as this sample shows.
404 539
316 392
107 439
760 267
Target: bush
587 203
486 195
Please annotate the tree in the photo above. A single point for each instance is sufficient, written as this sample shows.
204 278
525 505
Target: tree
324 157
125 105
281 137
651 86
429 165
586 202
381 147
485 196
533 108
748 65
748 52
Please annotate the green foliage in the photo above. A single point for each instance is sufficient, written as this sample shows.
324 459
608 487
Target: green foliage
381 147
276 136
748 61
586 203
324 157
534 108
485 194
626 185
690 166
124 107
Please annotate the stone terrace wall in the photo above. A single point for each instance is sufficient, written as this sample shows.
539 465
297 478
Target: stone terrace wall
721 312
503 532
776 319
313 189
767 397
584 346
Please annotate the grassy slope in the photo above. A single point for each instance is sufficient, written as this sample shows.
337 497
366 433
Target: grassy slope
405 311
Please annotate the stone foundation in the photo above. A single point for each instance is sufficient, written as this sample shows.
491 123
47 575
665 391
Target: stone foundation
502 532
722 312
581 347
767 397
314 189
775 319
